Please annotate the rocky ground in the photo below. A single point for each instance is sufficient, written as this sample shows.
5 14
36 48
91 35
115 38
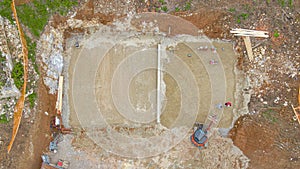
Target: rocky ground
268 132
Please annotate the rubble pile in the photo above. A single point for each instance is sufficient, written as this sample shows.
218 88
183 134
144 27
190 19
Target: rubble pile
11 53
119 8
221 153
50 49
10 50
267 71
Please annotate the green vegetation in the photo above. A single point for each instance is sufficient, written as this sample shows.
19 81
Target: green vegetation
164 8
284 3
276 34
32 99
177 9
35 14
31 53
269 115
290 2
187 6
231 10
281 3
2 58
5 10
243 16
3 119
17 74
162 2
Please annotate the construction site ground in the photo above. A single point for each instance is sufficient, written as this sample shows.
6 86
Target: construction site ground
88 66
268 135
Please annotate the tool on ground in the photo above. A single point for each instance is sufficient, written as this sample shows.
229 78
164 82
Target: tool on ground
61 164
53 144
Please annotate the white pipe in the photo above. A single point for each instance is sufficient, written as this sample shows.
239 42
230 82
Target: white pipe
158 84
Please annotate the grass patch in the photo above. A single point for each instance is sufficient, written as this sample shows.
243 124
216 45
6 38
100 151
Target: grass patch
187 6
269 115
35 15
3 119
164 8
5 10
232 10
162 2
276 34
290 2
31 99
31 53
242 16
177 9
17 74
281 3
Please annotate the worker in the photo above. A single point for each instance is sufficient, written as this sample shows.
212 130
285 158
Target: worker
228 104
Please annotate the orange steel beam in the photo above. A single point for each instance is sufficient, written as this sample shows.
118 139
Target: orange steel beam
20 104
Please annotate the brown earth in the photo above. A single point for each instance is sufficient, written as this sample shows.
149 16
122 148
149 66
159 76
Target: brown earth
270 139
33 137
40 131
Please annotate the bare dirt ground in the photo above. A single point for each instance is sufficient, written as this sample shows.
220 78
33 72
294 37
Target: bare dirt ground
251 133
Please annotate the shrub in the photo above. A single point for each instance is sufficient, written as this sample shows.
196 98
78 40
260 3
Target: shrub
17 74
3 119
276 34
187 6
32 99
164 8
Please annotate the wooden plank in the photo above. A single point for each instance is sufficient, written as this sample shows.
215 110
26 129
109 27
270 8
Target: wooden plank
248 30
248 47
258 36
297 114
59 94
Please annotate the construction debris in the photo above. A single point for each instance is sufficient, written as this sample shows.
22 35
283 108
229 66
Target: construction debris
250 33
61 164
246 34
297 109
50 48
